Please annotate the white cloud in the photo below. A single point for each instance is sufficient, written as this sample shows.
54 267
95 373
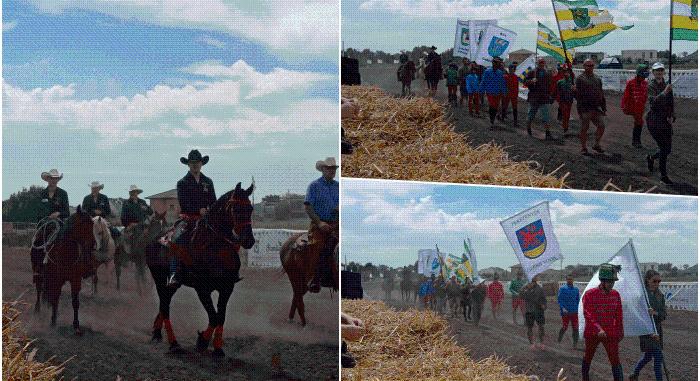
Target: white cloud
299 28
211 41
8 26
561 210
513 9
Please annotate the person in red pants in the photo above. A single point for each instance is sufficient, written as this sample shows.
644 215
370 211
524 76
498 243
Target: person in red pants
634 101
602 311
568 298
512 84
565 93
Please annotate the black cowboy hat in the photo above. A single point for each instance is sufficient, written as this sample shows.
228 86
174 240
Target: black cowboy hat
194 155
433 47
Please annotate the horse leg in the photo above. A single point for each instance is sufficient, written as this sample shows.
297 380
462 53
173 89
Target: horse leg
221 304
118 272
165 312
293 308
299 297
204 337
75 295
94 283
39 281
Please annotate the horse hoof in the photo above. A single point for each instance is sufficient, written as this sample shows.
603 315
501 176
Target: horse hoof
202 343
157 336
218 353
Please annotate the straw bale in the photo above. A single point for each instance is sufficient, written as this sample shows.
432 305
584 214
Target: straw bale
414 345
410 139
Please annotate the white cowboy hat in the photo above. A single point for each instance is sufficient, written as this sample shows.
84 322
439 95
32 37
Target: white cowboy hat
658 66
51 174
329 162
96 184
135 188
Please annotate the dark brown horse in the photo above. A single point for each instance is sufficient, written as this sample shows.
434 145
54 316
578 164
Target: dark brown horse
210 263
68 259
300 265
131 246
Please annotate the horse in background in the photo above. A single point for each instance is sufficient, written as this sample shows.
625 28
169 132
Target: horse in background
105 247
420 70
300 263
406 285
388 285
132 244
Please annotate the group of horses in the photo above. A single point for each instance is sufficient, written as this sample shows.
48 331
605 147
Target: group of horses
210 262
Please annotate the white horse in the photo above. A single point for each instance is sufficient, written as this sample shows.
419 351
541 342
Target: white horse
421 73
105 246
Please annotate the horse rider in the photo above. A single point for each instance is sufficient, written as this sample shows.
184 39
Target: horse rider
97 204
321 204
52 209
195 193
134 210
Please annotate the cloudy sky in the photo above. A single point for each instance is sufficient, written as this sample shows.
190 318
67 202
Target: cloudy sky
391 25
119 90
387 222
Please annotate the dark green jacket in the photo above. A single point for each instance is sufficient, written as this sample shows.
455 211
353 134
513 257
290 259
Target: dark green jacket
58 203
534 299
102 204
657 301
135 211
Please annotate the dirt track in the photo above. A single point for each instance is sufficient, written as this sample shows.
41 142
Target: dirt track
505 340
622 163
116 340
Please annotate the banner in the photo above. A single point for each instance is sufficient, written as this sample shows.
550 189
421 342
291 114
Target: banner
462 45
476 32
684 20
495 42
548 42
429 262
531 234
268 242
685 82
472 261
635 310
582 23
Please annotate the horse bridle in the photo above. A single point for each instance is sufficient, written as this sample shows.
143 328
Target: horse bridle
236 227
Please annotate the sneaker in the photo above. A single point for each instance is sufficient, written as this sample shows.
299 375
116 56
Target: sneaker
598 148
666 180
650 163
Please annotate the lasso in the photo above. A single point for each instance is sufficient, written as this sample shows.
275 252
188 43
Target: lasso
48 239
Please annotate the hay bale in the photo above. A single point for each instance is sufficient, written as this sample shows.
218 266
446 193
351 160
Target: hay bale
17 355
410 139
413 345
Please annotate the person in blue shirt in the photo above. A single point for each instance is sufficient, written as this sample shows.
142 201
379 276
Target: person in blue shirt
321 205
471 88
568 298
493 84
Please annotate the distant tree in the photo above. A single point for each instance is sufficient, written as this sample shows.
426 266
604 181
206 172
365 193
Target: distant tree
685 267
674 271
22 206
271 198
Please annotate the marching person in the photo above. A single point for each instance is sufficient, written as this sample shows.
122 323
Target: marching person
493 84
433 71
321 204
440 294
134 209
495 294
452 81
406 73
466 301
568 298
535 304
634 101
517 302
453 294
462 74
591 106
478 295
427 291
472 90
602 311
659 119
565 93
512 90
195 193
652 345
539 82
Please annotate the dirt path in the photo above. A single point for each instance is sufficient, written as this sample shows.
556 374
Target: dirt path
116 325
502 338
621 162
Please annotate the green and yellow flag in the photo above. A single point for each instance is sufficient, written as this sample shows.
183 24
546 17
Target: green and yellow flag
582 23
549 42
684 20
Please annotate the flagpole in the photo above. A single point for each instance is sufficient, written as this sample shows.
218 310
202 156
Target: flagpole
670 53
537 40
561 38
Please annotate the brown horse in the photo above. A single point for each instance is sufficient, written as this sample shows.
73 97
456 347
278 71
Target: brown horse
300 265
210 263
132 243
69 259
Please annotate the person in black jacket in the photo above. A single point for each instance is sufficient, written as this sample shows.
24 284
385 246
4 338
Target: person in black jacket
97 204
195 193
652 345
53 200
659 119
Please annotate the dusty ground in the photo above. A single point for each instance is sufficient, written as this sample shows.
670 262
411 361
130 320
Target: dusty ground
508 341
622 163
117 324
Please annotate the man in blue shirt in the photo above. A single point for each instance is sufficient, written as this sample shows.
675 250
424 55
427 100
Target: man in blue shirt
568 298
321 204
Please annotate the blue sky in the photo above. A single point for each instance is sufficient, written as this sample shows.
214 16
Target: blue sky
119 90
387 222
392 25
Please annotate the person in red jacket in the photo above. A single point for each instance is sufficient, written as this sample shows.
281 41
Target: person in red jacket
602 311
495 294
512 84
634 102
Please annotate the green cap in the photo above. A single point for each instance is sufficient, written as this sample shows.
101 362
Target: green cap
608 271
643 70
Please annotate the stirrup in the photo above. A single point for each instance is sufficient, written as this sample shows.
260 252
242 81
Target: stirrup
173 281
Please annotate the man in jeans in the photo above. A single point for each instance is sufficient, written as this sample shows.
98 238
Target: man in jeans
535 304
539 83
590 102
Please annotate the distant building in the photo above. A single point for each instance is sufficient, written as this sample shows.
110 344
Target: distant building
166 202
639 56
579 57
519 55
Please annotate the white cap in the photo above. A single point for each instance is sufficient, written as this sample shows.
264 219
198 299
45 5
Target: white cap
658 66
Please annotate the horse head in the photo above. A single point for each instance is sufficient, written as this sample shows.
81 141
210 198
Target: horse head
100 229
79 228
233 212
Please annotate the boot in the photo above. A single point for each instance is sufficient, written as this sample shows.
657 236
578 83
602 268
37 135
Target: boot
315 285
548 135
174 279
617 373
637 137
561 335
574 336
650 163
515 118
529 129
585 370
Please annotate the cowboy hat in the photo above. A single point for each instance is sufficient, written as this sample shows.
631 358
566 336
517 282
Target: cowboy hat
194 155
433 47
96 184
51 174
329 162
135 188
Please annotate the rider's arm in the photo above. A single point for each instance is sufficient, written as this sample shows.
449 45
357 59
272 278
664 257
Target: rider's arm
312 214
65 210
107 211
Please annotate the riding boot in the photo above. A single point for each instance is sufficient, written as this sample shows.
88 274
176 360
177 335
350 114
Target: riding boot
174 278
637 136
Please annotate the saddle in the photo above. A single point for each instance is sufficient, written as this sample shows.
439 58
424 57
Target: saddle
301 242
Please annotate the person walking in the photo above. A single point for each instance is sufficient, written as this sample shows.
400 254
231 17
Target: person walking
568 298
539 82
472 90
493 84
433 71
652 345
512 91
591 106
478 295
535 305
602 311
467 299
634 101
517 302
495 294
452 81
659 119
406 73
565 93
462 74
